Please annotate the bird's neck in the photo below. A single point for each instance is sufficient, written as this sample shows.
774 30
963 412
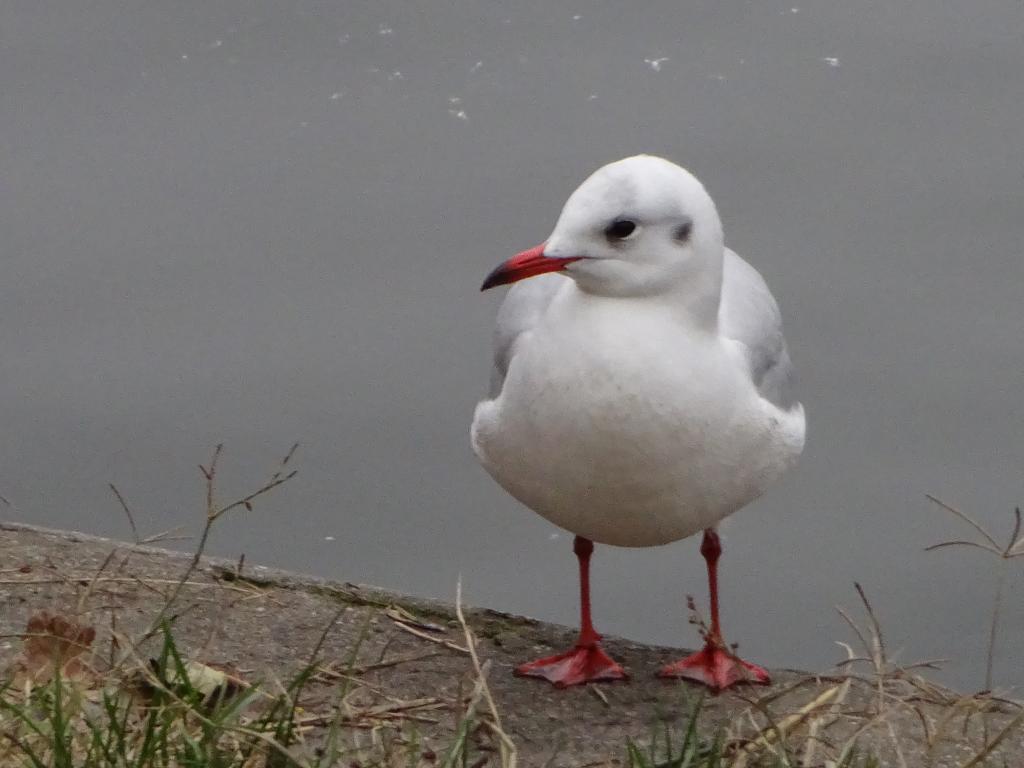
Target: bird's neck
697 299
690 290
693 306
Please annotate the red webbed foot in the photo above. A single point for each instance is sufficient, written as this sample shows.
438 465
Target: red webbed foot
583 664
717 668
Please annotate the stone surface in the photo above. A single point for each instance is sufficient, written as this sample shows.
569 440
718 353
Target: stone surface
266 623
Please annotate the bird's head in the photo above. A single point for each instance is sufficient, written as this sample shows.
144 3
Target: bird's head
637 227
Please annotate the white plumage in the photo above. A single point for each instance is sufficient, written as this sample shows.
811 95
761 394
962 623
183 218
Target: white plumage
636 412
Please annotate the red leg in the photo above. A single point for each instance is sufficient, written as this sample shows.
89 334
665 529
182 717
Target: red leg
715 665
586 662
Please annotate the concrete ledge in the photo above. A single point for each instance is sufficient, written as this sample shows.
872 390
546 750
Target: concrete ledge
266 622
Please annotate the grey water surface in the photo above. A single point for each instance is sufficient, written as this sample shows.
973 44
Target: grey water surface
260 222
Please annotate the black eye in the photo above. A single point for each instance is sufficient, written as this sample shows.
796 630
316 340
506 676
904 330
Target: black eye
682 233
620 229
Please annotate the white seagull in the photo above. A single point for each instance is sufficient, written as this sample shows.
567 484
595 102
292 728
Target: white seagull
642 390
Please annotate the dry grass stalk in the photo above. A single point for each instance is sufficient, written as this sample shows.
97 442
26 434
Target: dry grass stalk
509 754
777 732
426 636
1012 549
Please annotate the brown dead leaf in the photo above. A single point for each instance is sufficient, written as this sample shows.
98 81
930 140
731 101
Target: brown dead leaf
53 642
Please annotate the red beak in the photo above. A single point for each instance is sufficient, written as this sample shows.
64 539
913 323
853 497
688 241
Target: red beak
526 264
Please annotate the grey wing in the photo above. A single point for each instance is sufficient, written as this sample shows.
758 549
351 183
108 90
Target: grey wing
522 309
749 315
